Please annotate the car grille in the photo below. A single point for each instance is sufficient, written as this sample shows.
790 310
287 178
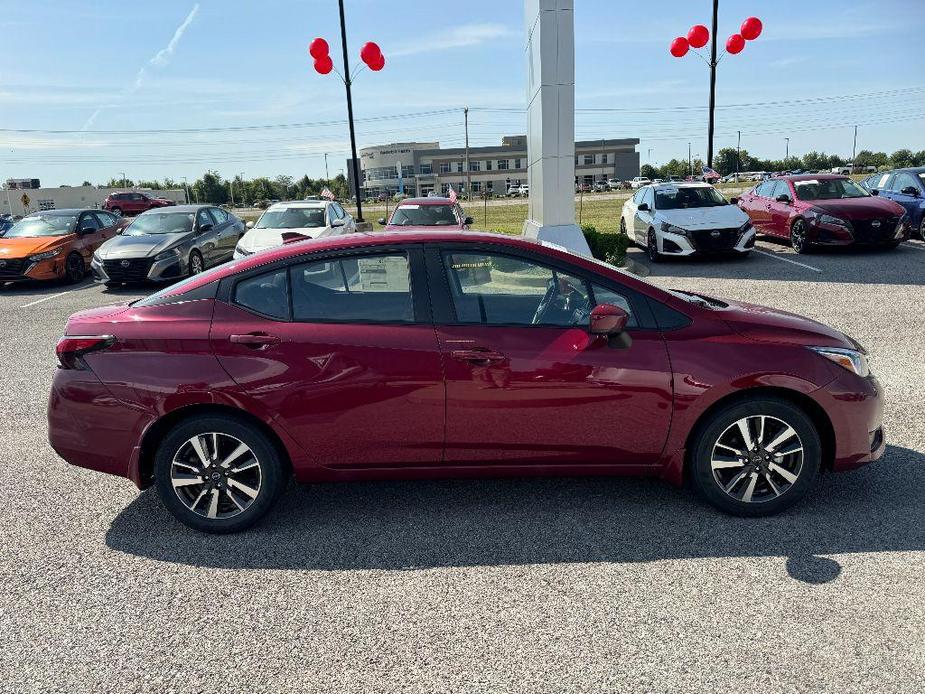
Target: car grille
136 269
714 240
875 230
12 267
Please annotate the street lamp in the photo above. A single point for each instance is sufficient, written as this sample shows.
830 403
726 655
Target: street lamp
372 56
697 37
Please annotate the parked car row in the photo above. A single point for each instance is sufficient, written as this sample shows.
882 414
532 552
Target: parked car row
427 213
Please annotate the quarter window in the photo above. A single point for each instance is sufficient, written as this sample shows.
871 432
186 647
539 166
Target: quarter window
219 214
266 294
506 290
368 288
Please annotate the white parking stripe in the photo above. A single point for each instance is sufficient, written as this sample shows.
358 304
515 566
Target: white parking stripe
44 298
776 256
917 246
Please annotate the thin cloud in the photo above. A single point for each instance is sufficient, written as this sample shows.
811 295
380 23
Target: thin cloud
160 59
458 37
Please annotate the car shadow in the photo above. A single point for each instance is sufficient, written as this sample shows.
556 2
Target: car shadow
426 524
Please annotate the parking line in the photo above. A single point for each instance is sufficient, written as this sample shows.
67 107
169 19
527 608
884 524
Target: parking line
44 298
787 260
917 246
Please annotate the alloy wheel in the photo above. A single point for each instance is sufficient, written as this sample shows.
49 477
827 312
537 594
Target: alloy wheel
652 248
798 236
216 475
74 268
757 458
195 264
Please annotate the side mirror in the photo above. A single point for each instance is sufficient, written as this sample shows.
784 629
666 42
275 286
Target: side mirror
205 227
733 201
249 225
910 190
468 220
83 231
783 198
338 222
608 320
643 207
382 221
874 191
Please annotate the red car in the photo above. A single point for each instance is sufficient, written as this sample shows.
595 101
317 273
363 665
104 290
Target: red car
422 213
824 210
133 203
431 354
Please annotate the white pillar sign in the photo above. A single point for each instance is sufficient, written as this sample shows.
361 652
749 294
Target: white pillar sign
551 123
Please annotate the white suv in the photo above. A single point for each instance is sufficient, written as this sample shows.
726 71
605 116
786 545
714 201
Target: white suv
309 218
639 181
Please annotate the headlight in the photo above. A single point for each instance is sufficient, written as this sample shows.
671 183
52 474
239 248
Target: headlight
96 258
166 255
829 219
850 359
38 257
902 226
672 229
745 227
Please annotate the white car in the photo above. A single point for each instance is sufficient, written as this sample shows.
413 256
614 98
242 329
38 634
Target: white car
684 219
311 218
639 181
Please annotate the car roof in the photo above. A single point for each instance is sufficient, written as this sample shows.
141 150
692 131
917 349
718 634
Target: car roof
62 211
177 209
304 204
907 169
425 201
809 177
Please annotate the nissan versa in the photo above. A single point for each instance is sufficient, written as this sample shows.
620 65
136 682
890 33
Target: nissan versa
167 244
452 354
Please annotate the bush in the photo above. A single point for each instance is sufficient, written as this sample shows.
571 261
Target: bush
609 247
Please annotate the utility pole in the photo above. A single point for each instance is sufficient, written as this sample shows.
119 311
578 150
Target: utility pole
712 83
468 171
738 151
186 189
854 150
355 164
690 162
243 190
787 151
123 178
327 176
231 190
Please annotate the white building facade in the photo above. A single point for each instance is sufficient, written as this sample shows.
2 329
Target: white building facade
25 201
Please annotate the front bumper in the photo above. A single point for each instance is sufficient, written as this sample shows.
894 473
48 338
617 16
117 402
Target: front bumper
877 232
137 270
855 409
23 269
701 242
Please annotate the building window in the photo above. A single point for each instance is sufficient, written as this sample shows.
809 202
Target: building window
604 158
46 205
476 186
517 163
475 165
459 167
488 165
444 167
502 165
589 159
427 169
444 189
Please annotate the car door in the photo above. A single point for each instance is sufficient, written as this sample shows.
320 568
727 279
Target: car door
226 235
642 219
905 190
207 240
88 235
526 383
759 207
341 350
629 214
779 221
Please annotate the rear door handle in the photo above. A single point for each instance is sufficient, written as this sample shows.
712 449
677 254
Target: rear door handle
479 357
255 340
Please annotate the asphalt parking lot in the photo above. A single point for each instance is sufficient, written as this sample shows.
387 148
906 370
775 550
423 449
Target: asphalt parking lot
571 585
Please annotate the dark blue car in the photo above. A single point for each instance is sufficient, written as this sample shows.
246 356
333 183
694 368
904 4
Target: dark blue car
905 186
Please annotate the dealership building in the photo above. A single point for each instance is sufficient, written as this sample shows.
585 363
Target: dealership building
20 199
426 167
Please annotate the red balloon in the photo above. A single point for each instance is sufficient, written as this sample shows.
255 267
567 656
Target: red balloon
698 36
318 48
679 47
377 65
735 43
370 53
324 65
751 28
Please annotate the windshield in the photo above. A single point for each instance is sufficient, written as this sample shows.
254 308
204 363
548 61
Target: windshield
42 225
828 189
160 223
425 216
292 218
922 176
685 198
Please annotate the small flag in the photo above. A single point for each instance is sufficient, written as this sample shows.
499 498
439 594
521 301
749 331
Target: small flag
452 195
327 194
709 173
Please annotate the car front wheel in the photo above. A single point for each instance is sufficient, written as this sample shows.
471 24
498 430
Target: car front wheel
218 474
652 247
756 458
798 237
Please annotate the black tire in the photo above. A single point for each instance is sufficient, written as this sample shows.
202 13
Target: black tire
922 228
798 237
652 247
117 211
75 269
196 261
271 482
622 225
708 482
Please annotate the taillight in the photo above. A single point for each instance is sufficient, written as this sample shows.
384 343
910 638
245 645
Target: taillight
71 349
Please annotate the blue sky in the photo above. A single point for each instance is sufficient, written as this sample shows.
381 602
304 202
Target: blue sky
177 64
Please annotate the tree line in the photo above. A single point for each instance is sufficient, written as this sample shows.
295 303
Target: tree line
214 189
726 159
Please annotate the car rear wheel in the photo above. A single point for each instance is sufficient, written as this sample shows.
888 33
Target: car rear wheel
756 458
652 247
196 264
922 228
74 268
218 474
798 237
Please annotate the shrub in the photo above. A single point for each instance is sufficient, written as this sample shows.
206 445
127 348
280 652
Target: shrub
609 247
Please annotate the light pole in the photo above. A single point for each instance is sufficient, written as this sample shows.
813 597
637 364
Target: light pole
327 176
697 37
372 56
186 189
123 178
854 150
787 151
738 153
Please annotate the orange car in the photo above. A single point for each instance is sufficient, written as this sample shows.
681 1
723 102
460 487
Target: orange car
55 244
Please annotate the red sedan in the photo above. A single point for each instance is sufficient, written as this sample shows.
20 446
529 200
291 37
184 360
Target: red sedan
424 213
421 355
813 210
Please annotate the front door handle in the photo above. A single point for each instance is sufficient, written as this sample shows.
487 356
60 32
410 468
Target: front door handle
479 357
255 340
